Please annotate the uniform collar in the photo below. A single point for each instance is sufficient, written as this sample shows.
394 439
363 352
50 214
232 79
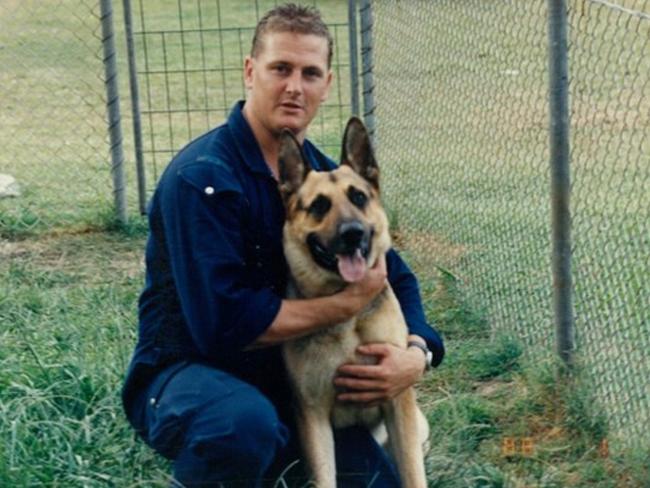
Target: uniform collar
247 145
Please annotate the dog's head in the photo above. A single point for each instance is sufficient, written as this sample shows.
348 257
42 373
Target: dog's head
335 225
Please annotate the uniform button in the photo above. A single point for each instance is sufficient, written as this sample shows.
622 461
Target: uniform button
209 190
152 402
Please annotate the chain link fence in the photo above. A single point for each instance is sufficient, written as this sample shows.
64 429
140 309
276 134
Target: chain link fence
462 111
53 132
53 118
610 78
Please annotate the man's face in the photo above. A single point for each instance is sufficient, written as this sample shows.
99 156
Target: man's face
287 81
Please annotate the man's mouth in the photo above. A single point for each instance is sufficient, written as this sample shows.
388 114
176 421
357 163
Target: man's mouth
292 106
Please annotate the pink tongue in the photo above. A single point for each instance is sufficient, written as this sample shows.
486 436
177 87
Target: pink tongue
352 268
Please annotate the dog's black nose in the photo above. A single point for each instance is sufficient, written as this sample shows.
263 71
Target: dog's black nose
351 234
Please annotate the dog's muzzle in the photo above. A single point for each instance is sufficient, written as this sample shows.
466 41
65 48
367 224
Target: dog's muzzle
352 241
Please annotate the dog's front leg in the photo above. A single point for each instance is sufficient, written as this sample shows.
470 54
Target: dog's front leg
402 422
318 443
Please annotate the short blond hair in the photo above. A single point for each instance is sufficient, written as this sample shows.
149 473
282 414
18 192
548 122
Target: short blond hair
291 17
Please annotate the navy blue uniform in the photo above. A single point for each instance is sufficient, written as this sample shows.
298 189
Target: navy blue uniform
215 279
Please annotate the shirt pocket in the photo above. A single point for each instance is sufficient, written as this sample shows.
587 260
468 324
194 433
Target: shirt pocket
256 252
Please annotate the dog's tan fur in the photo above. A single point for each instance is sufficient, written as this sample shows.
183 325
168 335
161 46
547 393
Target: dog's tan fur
312 361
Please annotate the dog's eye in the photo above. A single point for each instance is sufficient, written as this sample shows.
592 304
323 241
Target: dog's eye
357 197
320 206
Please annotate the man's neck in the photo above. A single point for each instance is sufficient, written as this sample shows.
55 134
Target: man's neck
268 141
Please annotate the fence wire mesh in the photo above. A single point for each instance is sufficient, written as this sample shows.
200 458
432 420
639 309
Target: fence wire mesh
610 78
190 70
461 92
53 131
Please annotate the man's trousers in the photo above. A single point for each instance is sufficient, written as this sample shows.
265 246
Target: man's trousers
222 431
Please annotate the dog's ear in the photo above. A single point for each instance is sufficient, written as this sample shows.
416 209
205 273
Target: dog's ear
292 166
357 151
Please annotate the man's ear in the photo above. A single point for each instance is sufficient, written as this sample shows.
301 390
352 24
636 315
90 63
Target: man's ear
292 166
357 152
326 93
248 72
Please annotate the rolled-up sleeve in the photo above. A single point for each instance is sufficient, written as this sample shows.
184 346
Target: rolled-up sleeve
203 209
407 291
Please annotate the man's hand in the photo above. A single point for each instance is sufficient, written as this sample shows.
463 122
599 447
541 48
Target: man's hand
371 385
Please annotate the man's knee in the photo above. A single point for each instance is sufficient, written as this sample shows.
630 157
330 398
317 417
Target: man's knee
215 416
233 442
247 429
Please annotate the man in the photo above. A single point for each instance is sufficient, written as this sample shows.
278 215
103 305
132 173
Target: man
206 386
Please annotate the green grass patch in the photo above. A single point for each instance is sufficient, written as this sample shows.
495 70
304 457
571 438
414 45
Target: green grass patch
500 418
455 315
69 304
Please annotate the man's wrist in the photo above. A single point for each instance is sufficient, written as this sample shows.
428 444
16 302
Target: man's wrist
428 355
349 303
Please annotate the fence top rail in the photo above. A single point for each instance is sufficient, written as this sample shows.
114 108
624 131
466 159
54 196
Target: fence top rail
620 8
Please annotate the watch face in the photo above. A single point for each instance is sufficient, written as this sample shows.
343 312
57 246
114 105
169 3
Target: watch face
429 359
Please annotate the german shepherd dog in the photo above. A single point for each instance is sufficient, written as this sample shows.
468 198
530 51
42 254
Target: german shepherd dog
335 230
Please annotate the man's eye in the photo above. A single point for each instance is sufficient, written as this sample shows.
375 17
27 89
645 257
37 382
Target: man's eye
312 73
320 206
357 197
281 69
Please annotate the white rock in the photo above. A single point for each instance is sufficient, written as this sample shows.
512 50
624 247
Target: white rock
8 186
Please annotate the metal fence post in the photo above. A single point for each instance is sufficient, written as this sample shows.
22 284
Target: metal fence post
113 109
560 178
367 67
135 107
354 58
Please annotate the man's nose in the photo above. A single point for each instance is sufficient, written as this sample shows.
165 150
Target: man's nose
294 82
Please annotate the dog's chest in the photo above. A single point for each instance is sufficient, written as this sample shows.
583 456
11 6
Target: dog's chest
313 361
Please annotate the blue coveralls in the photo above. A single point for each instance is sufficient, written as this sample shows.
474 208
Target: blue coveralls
215 278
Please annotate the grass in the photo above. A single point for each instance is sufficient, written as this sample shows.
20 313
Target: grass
68 304
500 417
68 300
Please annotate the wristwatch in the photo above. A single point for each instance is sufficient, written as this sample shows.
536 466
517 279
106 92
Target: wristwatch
428 355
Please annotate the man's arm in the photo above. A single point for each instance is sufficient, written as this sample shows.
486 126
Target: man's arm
297 318
407 290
